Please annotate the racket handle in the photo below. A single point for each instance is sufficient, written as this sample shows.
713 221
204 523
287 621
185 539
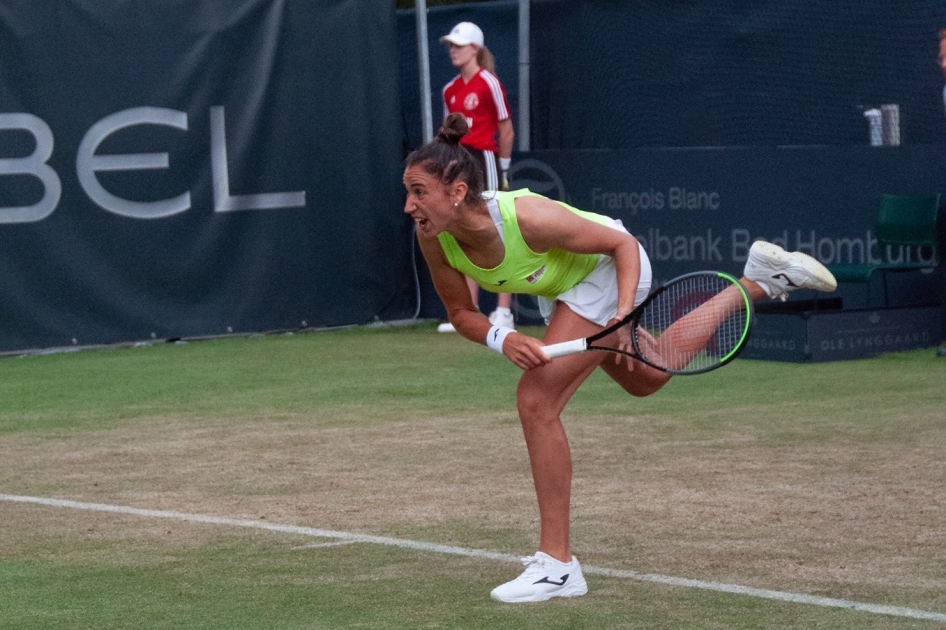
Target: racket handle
565 348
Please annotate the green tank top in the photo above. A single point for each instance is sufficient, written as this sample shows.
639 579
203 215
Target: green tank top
523 270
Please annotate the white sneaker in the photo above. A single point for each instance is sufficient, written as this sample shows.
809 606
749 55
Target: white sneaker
779 272
446 327
544 578
502 319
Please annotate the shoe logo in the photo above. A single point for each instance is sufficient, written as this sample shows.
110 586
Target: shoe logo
787 280
546 580
500 283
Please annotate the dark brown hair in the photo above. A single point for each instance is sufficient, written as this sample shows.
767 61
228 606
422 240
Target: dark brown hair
448 160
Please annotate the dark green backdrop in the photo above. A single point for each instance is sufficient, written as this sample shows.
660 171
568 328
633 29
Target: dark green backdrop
645 73
179 169
280 130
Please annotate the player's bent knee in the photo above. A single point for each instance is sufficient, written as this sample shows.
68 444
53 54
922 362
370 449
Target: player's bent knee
535 406
642 382
642 390
532 408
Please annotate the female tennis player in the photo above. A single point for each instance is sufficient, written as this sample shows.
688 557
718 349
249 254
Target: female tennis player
588 272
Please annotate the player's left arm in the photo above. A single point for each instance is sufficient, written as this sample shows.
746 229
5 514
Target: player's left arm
546 224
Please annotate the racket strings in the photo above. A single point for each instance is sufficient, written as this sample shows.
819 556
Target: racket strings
694 324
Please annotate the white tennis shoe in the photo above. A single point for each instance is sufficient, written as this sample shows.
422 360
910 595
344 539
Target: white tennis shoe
779 272
497 318
544 578
446 327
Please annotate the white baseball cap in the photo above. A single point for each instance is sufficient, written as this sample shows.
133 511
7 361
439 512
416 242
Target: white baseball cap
463 34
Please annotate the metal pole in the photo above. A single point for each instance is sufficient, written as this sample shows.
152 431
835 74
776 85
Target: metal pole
522 132
423 58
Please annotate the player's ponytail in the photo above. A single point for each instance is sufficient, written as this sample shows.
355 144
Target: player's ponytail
453 129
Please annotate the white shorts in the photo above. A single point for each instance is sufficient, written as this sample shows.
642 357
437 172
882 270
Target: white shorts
596 297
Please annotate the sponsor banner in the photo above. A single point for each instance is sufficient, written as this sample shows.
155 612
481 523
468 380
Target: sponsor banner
698 209
841 335
198 168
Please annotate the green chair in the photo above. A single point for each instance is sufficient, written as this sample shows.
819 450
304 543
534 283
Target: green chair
905 229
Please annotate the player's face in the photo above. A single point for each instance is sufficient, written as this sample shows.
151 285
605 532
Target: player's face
462 55
428 202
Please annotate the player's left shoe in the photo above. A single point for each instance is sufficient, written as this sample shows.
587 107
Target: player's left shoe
544 578
780 272
502 318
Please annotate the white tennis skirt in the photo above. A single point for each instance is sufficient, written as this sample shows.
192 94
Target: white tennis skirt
596 297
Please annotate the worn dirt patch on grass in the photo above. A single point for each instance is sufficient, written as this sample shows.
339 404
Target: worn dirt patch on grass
835 517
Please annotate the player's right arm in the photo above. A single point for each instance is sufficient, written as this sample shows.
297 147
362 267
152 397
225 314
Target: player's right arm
522 350
452 288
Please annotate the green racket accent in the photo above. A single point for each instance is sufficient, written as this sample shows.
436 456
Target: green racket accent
750 315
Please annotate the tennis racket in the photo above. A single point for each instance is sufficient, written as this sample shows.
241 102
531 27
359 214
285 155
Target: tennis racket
692 324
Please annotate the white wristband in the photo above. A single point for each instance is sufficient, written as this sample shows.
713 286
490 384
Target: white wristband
505 163
496 336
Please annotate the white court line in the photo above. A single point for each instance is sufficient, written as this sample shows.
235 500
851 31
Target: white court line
349 537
